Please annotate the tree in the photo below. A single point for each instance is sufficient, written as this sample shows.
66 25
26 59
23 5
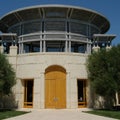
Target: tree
7 81
7 75
104 73
115 60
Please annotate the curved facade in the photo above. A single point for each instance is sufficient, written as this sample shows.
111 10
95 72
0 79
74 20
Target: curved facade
48 46
54 28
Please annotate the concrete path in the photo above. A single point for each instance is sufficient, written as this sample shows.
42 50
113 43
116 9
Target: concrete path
59 114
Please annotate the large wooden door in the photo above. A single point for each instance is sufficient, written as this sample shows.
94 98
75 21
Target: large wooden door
55 87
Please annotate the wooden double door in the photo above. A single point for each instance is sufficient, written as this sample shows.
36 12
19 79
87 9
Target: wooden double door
55 87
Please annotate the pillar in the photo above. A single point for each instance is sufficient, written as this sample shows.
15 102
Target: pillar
69 46
68 90
41 47
108 47
88 48
36 93
1 49
44 46
96 48
66 46
13 50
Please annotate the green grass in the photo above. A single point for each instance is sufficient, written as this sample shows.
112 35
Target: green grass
106 113
8 114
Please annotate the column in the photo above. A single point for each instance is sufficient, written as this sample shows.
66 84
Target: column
66 46
108 47
39 92
22 51
88 48
1 49
42 90
74 93
69 46
44 46
21 47
41 47
19 93
13 50
68 90
36 94
96 48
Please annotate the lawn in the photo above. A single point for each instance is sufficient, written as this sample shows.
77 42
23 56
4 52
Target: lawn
8 114
106 113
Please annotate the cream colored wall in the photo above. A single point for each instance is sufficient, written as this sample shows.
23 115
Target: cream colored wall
33 65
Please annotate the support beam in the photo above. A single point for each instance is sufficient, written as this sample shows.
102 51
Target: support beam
41 47
69 46
44 46
66 46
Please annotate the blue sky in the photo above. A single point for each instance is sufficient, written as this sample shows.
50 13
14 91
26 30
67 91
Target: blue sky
109 8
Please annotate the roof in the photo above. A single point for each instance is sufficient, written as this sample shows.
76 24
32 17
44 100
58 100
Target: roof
103 37
59 11
8 36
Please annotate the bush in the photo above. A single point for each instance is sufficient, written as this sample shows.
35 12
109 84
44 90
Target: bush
7 102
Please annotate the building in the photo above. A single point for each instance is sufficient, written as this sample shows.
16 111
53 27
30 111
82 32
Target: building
48 46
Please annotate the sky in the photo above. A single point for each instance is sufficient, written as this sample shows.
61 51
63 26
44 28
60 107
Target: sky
109 8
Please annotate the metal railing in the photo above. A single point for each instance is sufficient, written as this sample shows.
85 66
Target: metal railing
53 36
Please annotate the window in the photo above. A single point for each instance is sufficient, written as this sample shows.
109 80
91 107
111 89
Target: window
28 93
81 86
78 47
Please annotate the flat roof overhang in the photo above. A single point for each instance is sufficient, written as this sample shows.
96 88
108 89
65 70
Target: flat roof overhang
54 11
103 37
8 37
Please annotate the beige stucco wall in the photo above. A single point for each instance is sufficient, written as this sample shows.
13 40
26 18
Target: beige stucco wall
33 65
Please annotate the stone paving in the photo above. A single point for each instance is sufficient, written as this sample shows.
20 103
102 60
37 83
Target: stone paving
59 114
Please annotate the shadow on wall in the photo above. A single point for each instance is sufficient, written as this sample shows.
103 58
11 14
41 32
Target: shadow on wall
7 102
100 102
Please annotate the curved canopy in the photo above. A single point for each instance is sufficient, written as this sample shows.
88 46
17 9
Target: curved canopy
54 11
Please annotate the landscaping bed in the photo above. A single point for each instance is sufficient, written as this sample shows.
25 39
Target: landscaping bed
106 113
10 113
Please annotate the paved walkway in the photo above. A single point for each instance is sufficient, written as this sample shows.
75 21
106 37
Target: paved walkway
60 114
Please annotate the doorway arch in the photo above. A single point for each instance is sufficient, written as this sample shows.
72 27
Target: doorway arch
55 87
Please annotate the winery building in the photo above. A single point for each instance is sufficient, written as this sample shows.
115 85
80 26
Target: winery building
48 46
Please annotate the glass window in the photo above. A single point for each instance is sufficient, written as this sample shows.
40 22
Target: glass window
78 47
55 46
15 29
78 28
31 47
81 88
55 26
6 46
31 27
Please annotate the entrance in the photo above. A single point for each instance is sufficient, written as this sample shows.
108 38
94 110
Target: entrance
81 84
28 93
55 87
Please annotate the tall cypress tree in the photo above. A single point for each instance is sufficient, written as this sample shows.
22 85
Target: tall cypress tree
7 75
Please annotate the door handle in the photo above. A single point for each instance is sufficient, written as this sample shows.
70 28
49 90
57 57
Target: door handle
55 99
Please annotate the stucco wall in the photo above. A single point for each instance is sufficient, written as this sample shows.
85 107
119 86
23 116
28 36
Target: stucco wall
33 65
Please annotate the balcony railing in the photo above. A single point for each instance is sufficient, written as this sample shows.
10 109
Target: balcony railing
53 36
